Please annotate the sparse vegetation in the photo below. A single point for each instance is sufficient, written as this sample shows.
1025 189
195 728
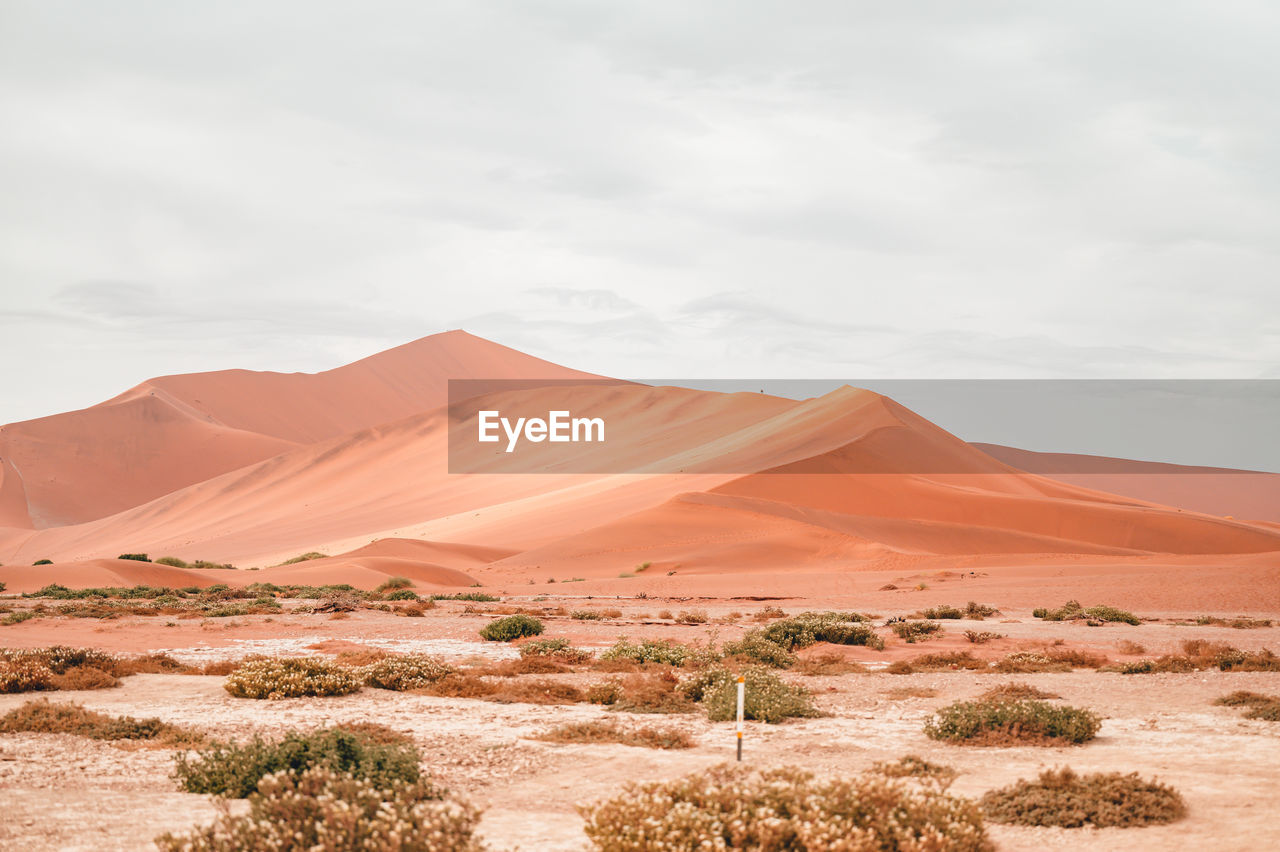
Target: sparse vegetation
695 616
233 769
284 677
756 647
510 628
1106 800
1018 722
557 649
1030 662
134 557
1259 706
977 612
915 631
661 651
45 717
981 637
326 811
949 661
914 766
837 628
715 809
609 731
475 597
411 671
43 562
305 557
1014 691
1239 623
767 697
1073 611
942 612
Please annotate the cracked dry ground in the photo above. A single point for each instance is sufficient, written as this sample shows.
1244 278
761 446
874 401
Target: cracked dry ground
67 793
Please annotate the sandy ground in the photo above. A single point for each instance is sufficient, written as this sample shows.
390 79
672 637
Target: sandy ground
66 793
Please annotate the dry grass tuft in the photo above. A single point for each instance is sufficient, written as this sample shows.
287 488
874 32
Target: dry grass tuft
45 717
1067 800
902 693
602 731
1264 707
1015 692
914 766
827 665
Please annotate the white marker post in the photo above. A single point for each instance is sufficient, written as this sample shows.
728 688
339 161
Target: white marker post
742 685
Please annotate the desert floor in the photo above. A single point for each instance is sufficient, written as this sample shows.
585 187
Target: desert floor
63 792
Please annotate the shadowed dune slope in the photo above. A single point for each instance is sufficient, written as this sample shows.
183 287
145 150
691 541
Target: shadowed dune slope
1243 494
13 497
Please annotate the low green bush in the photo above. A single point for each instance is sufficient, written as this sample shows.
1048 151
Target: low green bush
1017 722
915 631
755 646
510 628
783 810
286 677
1105 800
659 651
1073 611
321 810
557 649
135 557
233 769
808 628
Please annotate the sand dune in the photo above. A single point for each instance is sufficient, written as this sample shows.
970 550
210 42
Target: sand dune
1243 494
98 573
688 480
175 431
13 497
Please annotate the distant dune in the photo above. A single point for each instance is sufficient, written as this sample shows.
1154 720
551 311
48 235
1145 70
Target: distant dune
253 468
1244 494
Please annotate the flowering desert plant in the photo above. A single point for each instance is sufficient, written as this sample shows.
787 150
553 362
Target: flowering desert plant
1013 722
784 809
284 677
325 811
412 671
767 697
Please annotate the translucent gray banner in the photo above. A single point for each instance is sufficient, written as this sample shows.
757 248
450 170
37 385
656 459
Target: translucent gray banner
812 426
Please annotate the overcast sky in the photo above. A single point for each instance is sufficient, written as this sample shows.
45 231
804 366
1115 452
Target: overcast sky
708 189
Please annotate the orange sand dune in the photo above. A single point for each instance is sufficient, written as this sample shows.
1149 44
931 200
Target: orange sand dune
95 462
174 431
1244 494
437 552
13 497
97 573
364 573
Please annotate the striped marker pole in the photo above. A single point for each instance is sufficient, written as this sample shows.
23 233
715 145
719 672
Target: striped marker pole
742 685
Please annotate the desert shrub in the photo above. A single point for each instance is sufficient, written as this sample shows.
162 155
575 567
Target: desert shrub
1240 623
1125 646
305 557
3 586
694 616
283 677
45 717
942 612
474 597
827 664
981 637
608 731
326 811
172 562
530 691
585 615
1165 664
1265 707
401 595
412 671
392 583
783 810
557 649
652 692
24 676
660 651
1019 722
914 766
1073 611
233 769
1249 661
43 562
60 658
1077 658
948 661
1014 692
134 557
977 611
1105 800
1029 662
767 697
767 613
510 628
606 693
837 628
84 677
755 646
18 616
915 631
